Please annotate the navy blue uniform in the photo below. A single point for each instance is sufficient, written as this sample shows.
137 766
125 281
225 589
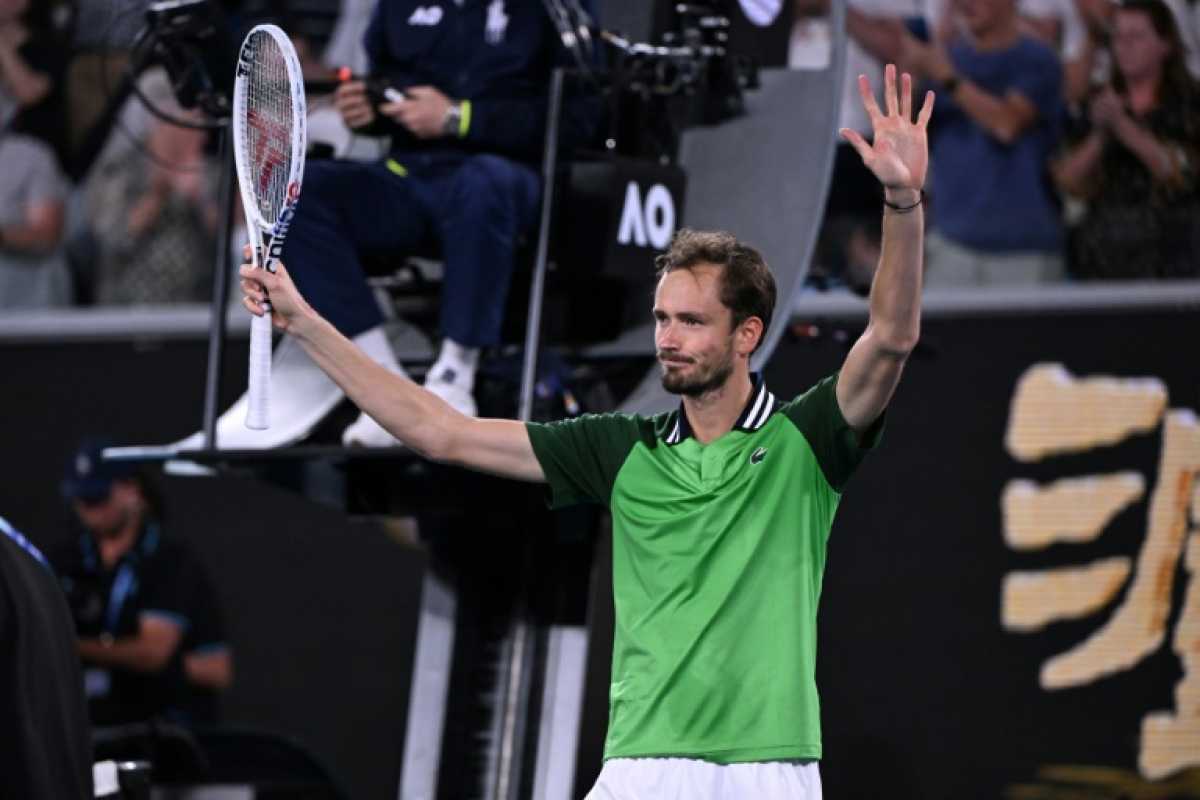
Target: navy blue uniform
160 577
472 196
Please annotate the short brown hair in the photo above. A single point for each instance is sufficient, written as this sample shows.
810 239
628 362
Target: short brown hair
747 286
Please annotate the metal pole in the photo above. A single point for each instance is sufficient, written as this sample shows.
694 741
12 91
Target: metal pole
221 265
533 326
517 677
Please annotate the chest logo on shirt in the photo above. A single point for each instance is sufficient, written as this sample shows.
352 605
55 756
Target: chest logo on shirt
497 22
426 15
758 455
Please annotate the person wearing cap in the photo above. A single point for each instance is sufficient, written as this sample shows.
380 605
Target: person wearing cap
149 627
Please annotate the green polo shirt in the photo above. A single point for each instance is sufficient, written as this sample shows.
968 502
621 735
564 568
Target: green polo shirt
718 555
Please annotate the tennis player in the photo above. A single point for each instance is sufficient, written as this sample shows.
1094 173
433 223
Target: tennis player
721 509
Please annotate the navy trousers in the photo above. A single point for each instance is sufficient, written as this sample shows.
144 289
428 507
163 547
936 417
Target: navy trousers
474 209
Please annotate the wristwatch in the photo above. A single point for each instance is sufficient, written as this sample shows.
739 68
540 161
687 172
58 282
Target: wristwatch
452 122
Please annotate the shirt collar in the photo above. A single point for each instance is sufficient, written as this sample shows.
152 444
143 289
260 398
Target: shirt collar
758 409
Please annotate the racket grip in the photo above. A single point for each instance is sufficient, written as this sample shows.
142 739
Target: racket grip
258 405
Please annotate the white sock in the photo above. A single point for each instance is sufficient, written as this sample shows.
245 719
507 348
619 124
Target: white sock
375 344
456 364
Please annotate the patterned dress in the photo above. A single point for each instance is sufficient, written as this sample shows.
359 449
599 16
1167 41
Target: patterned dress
1137 227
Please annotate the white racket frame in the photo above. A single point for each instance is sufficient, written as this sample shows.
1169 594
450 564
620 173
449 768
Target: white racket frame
266 236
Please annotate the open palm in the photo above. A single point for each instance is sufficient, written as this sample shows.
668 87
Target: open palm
899 152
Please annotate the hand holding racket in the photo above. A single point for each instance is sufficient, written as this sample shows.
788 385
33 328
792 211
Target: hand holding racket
286 304
268 147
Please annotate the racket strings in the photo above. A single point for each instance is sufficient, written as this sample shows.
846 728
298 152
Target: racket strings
268 127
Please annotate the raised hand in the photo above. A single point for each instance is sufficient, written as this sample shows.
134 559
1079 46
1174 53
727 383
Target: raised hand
899 151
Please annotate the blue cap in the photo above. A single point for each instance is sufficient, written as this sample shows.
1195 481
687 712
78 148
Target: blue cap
88 476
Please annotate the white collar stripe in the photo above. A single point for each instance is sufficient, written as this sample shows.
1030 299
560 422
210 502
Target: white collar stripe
758 402
766 412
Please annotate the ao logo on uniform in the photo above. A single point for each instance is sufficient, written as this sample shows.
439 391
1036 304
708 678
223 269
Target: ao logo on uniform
761 12
648 221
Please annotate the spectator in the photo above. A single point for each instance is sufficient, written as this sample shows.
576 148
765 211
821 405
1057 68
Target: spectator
154 215
33 270
32 67
849 244
149 627
461 176
1136 167
45 744
995 217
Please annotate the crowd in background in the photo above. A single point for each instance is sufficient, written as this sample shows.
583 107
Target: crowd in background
106 199
1065 143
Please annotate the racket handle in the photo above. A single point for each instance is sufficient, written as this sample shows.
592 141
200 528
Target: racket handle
258 405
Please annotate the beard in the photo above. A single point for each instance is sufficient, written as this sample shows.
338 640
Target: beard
702 380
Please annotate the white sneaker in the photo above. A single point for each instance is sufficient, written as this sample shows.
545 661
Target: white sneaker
364 431
301 395
453 392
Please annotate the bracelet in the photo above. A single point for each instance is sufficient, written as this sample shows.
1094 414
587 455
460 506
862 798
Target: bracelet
905 209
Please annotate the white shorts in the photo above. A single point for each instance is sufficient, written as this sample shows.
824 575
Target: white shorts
691 779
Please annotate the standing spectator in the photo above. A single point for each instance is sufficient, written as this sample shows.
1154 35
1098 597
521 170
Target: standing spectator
995 217
149 627
153 213
1136 167
32 67
33 270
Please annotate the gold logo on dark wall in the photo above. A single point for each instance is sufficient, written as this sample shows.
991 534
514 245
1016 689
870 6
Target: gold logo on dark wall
1055 413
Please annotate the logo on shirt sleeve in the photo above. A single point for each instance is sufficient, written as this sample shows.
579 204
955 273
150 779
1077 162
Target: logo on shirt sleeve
758 455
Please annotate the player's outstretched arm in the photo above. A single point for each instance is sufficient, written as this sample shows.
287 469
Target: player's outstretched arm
414 416
898 156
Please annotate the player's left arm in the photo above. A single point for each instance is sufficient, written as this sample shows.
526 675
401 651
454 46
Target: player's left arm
898 156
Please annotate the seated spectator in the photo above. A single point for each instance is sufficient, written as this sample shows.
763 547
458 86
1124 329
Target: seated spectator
32 66
994 215
147 618
461 176
1136 167
33 270
153 217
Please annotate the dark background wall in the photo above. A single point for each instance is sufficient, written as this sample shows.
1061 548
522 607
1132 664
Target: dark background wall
924 694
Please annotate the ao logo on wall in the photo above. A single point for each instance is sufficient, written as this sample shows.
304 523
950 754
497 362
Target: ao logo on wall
647 221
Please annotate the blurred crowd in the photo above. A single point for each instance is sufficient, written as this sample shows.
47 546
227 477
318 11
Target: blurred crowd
1065 143
108 198
1064 146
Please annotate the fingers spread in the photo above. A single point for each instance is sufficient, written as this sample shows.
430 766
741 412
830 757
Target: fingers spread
857 142
926 110
890 97
868 97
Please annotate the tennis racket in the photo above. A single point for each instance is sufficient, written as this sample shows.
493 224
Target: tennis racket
268 151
